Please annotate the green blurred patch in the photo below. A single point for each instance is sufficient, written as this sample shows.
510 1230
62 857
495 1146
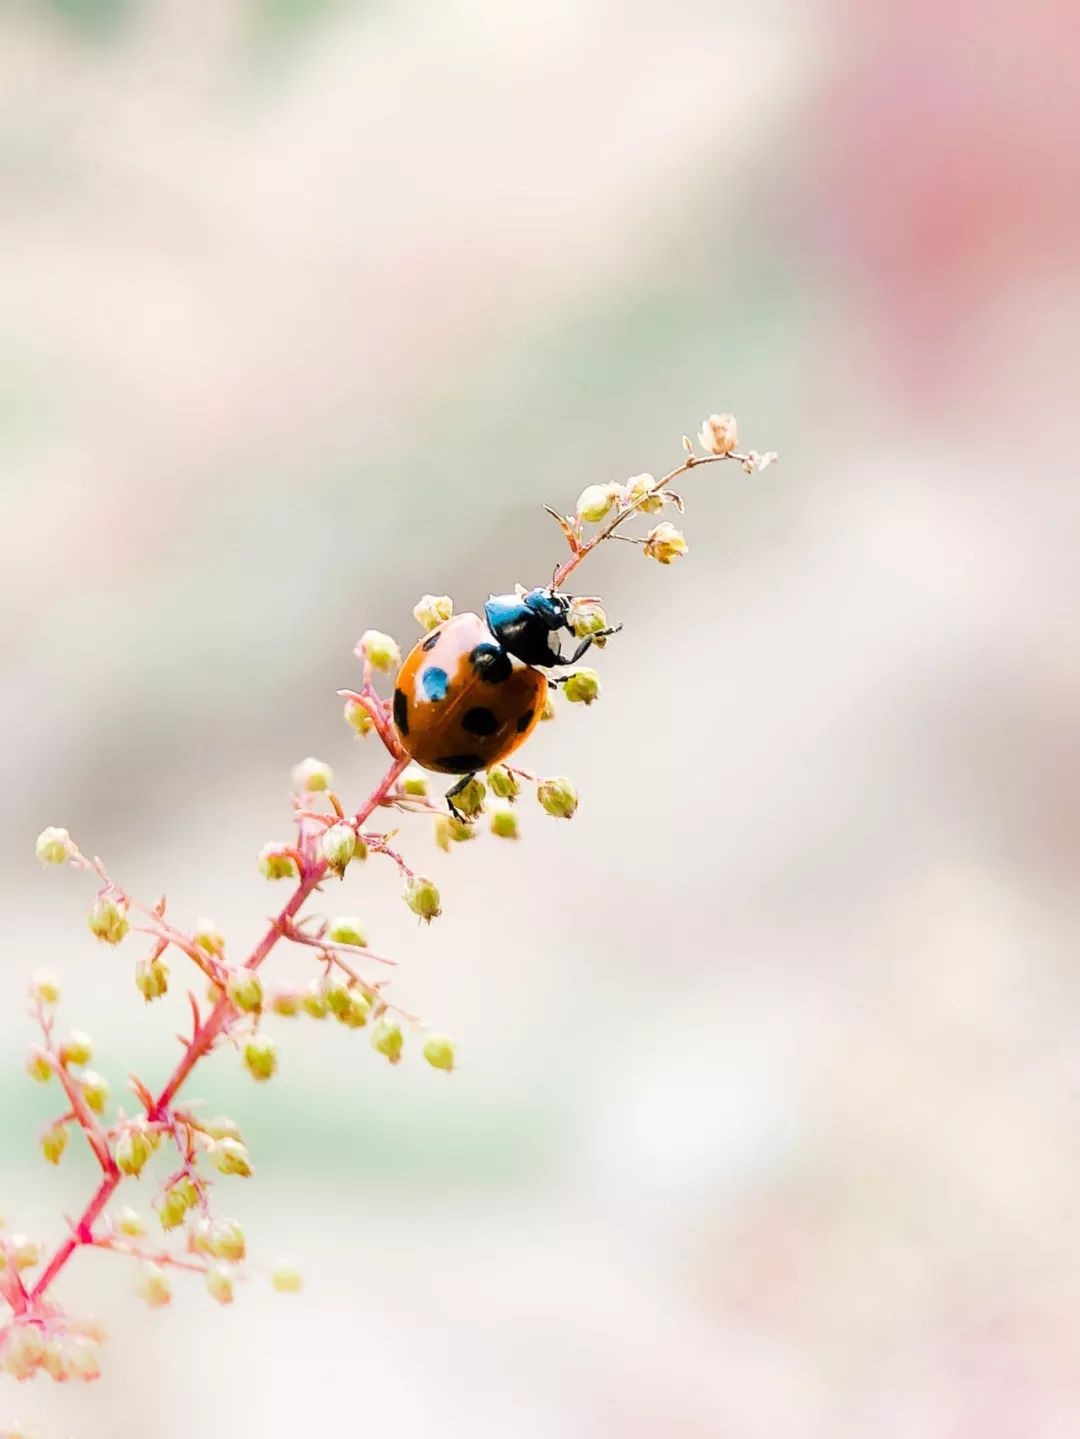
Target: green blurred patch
97 19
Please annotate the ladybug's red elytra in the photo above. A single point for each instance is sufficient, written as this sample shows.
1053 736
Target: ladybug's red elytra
473 690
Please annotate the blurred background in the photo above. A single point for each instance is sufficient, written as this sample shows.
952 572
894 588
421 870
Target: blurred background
766 1122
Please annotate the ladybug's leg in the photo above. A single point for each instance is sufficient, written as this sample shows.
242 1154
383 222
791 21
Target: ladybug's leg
456 790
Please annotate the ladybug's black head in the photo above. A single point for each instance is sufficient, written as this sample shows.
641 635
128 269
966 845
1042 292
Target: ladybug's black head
524 623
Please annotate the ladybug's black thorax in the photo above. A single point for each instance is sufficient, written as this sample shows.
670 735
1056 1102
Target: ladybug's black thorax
522 631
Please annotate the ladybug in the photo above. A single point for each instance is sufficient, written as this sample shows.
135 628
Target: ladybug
473 690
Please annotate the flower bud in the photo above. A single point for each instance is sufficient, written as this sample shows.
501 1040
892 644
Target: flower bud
358 1011
129 1222
287 1002
558 796
583 687
230 1156
276 862
24 1350
25 1252
548 712
219 1283
336 995
719 434
152 1284
260 1056
107 918
503 784
337 846
451 830
95 1090
38 1067
151 977
54 1142
470 800
315 1000
595 501
45 987
665 543
439 1051
639 488
133 1150
387 1039
222 1127
53 845
415 781
312 775
79 1358
286 1279
244 988
225 1240
379 650
357 717
207 936
77 1048
175 1203
347 930
422 897
432 610
589 619
504 823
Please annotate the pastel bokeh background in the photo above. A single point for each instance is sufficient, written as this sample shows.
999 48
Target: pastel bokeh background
767 1119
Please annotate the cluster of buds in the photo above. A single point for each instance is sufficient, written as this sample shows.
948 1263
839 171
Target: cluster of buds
328 843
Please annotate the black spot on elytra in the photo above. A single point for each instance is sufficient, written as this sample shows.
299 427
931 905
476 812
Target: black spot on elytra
491 663
524 721
431 641
401 711
480 720
460 763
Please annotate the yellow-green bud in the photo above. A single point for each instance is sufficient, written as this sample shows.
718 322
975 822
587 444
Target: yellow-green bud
286 1279
286 1002
719 434
414 781
359 1010
665 543
432 610
357 717
225 1240
45 987
38 1067
379 650
222 1127
637 488
95 1090
219 1283
107 918
312 775
260 1056
387 1039
470 800
337 846
207 936
53 845
422 897
25 1252
589 619
504 823
151 977
451 830
230 1156
439 1051
583 687
78 1048
129 1222
558 796
346 929
54 1142
175 1203
503 784
244 988
152 1284
595 501
337 996
548 712
133 1150
275 862
315 1000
